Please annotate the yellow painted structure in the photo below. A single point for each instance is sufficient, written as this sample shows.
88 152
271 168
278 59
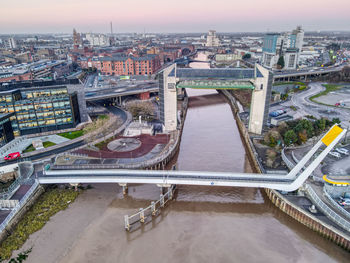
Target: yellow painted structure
334 182
331 135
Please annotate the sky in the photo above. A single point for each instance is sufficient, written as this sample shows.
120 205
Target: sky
175 16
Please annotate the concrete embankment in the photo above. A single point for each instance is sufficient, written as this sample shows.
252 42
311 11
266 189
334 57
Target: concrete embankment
279 200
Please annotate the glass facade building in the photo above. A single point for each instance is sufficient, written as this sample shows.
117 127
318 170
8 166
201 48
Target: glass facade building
40 109
6 131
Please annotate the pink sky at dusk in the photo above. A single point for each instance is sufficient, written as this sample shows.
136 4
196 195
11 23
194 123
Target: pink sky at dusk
44 16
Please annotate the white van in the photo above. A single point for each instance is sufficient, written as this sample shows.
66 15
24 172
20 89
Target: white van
335 154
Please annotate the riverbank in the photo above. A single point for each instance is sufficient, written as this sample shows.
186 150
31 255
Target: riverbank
281 201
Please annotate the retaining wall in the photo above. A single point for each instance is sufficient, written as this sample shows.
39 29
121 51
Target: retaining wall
279 200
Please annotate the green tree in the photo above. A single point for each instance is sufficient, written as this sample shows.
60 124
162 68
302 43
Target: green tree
305 125
280 62
336 121
247 56
290 137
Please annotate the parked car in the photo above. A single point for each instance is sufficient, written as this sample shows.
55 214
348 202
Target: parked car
344 202
335 154
12 156
343 151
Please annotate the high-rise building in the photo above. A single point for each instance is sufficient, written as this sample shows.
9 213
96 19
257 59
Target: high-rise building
287 45
10 43
212 39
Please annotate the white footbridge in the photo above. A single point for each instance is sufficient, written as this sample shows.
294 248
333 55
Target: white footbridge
290 182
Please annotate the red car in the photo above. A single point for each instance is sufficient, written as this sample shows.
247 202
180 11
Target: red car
12 156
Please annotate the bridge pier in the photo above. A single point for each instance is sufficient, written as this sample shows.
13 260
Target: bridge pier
142 215
125 188
153 208
126 223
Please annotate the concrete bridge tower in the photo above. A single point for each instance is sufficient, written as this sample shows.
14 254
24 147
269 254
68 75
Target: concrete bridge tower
258 79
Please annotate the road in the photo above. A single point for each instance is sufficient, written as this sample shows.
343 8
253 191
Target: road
305 106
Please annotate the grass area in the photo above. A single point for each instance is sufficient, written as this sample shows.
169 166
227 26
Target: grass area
48 144
103 117
31 148
100 145
329 88
72 135
48 204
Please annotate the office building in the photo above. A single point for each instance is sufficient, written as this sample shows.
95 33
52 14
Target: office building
98 40
287 45
40 109
6 131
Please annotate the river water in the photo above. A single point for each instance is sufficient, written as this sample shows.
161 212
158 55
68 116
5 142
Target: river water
203 224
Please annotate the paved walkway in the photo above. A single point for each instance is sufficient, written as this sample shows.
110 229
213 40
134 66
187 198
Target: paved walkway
148 143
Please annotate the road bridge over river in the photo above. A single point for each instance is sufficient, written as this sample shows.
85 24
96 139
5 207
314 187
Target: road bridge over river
289 182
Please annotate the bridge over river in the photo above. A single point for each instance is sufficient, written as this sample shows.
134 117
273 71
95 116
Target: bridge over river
289 182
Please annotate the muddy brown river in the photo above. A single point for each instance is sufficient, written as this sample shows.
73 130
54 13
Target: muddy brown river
203 224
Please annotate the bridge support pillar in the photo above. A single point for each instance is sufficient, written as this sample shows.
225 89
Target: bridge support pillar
153 208
126 223
125 188
75 186
259 107
142 215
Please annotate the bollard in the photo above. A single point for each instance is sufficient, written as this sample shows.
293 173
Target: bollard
153 209
142 215
126 223
162 200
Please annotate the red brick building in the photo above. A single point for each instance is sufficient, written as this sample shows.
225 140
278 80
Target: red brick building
123 65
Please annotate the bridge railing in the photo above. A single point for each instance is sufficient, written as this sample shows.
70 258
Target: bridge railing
288 162
11 189
326 210
151 210
20 204
335 204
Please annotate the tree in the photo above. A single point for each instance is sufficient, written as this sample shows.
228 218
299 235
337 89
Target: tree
305 125
280 62
290 137
302 136
247 56
141 108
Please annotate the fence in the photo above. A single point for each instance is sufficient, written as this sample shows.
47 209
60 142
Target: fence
288 162
19 205
336 205
325 209
150 210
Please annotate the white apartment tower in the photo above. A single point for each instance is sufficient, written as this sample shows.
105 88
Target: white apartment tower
212 39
